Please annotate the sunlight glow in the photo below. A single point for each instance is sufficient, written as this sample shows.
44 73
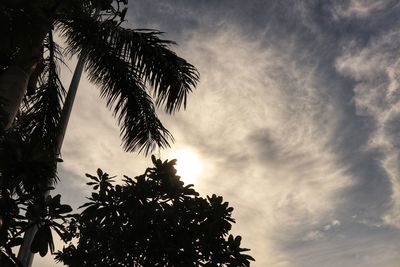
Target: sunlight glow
188 165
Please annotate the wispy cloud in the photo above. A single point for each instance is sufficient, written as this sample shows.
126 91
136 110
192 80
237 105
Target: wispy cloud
375 68
264 127
359 8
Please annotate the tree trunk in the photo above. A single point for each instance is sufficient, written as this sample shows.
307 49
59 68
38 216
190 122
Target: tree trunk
15 79
13 85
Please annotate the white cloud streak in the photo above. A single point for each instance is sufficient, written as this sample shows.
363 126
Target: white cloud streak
359 8
377 96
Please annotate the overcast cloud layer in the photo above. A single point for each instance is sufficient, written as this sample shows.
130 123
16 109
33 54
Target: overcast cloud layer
296 120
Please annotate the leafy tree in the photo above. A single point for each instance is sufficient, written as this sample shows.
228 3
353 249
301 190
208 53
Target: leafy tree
128 66
26 168
152 220
20 211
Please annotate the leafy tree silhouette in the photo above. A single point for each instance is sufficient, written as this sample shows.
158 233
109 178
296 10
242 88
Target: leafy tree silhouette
25 168
152 220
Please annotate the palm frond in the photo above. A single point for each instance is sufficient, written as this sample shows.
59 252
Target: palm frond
124 92
41 114
172 78
140 127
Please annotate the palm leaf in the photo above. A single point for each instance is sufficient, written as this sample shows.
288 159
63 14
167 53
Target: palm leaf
41 113
123 90
172 78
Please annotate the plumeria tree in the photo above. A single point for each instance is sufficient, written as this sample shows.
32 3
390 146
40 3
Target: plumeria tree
151 220
25 171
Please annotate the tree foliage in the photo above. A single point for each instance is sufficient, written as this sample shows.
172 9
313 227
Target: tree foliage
152 220
24 205
27 171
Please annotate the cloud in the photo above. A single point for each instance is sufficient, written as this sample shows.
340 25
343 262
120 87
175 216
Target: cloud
284 137
366 250
375 69
313 235
266 130
359 8
327 229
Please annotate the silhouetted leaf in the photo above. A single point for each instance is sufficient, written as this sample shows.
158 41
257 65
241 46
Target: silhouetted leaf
40 241
99 173
15 242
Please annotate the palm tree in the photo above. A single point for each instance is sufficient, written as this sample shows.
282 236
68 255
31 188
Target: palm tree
127 65
134 69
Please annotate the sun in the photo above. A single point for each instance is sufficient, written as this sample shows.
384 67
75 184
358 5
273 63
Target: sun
188 165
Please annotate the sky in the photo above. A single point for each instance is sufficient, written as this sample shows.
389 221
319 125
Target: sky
295 122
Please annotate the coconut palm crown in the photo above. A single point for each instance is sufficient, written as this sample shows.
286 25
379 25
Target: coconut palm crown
135 70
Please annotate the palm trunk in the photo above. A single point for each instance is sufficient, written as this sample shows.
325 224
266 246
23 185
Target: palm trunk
15 79
25 256
69 102
13 85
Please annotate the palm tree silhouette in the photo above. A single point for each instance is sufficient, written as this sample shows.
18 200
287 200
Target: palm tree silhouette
134 69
